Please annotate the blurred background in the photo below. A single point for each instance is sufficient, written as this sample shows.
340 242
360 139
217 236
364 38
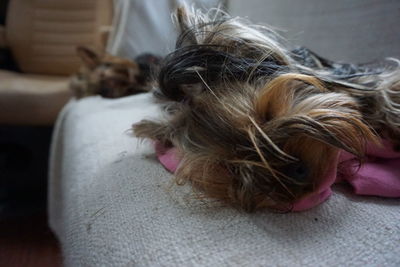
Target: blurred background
356 31
37 56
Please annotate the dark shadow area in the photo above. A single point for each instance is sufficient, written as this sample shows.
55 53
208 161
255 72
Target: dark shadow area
24 152
6 59
25 238
28 241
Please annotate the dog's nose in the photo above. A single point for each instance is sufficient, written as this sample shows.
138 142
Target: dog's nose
296 170
105 92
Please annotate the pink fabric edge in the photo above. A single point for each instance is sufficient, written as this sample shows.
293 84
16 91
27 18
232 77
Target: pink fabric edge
385 184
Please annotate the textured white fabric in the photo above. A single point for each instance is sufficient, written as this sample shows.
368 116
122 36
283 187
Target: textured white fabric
112 204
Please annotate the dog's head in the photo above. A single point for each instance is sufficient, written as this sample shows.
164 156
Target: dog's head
107 75
254 129
266 146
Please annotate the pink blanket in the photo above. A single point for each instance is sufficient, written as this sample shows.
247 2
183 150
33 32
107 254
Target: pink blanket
379 175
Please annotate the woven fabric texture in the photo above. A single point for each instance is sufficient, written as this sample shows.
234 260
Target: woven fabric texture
112 204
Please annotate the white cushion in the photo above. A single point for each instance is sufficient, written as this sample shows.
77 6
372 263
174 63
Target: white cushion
112 204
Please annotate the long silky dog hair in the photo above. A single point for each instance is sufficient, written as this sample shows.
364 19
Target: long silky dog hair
257 125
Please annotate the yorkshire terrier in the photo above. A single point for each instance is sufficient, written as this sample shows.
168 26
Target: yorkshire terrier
112 76
256 125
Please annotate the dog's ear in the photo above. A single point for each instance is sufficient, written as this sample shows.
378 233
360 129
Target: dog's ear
295 105
88 56
186 20
182 18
